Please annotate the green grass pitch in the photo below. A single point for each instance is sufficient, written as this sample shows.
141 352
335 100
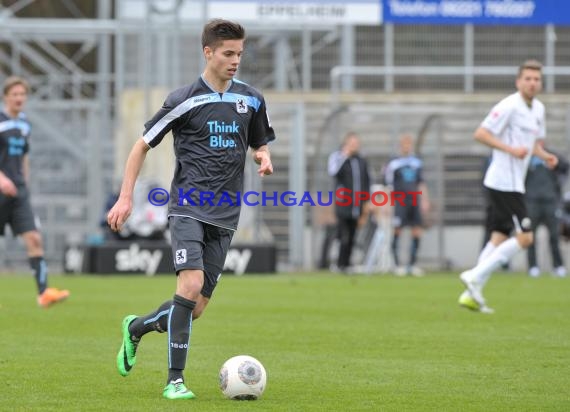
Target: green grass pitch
328 342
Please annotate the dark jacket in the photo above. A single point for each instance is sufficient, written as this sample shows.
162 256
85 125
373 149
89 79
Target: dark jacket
544 184
352 176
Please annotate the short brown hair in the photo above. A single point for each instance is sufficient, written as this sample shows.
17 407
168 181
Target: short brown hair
15 81
218 30
531 64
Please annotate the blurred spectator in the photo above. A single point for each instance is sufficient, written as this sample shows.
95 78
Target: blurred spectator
543 200
350 171
146 221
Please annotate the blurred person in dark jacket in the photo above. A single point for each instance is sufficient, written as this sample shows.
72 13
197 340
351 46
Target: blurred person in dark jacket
350 171
543 200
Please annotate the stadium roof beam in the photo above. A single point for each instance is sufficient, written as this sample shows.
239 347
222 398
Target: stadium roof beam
37 59
78 27
72 8
63 141
4 58
32 26
14 8
59 56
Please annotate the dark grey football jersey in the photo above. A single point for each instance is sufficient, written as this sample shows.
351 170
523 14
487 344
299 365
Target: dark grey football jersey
404 173
14 144
212 132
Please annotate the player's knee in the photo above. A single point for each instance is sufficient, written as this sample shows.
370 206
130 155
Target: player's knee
525 239
33 242
190 289
189 284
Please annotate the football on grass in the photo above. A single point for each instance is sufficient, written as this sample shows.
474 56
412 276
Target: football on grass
242 378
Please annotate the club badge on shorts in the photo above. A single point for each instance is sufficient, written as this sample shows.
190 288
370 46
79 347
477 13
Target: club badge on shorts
241 105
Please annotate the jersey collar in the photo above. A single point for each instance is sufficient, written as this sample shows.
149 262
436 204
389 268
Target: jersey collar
20 115
528 106
209 86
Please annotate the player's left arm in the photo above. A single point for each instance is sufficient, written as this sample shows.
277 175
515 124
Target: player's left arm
550 158
262 157
261 133
425 202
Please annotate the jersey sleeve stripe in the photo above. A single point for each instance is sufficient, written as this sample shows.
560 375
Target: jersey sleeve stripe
15 124
178 111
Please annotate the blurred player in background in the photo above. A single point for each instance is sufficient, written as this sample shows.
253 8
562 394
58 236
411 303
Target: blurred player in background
404 174
15 206
543 201
214 121
511 129
350 172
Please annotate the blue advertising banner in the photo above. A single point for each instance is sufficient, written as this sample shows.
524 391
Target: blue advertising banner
481 12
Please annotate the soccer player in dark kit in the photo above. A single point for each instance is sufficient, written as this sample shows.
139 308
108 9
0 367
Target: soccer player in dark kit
405 174
15 206
213 121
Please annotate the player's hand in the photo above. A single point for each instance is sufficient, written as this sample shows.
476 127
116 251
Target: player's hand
551 161
263 159
7 187
519 152
119 214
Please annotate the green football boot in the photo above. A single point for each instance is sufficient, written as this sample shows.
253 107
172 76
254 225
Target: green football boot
126 358
467 301
177 390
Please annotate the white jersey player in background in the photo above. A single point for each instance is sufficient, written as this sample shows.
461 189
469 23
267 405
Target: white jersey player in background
513 130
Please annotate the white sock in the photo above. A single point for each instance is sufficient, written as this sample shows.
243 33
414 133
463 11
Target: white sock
487 250
502 254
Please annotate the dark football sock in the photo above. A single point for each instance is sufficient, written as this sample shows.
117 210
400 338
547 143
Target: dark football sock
179 330
39 267
414 251
154 321
395 249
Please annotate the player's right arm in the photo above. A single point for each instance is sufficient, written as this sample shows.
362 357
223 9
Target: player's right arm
7 187
485 136
120 212
494 124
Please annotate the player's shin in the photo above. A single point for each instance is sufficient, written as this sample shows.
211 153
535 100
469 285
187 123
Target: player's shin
395 254
39 267
414 250
179 330
503 253
487 250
